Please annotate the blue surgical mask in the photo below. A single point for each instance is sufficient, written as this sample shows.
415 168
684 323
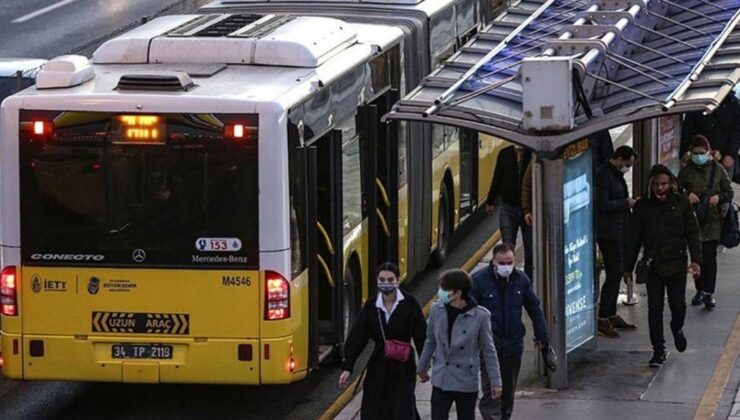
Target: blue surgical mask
700 160
443 295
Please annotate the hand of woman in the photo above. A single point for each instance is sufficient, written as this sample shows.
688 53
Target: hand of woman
496 392
424 376
714 200
693 198
344 379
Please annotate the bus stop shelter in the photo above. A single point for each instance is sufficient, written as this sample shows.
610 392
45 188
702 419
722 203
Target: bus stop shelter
550 75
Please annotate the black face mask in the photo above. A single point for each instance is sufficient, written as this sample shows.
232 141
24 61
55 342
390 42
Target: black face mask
387 288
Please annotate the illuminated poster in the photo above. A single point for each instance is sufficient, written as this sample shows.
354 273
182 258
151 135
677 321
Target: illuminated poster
578 250
669 142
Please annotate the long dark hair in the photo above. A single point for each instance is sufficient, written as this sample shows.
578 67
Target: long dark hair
388 266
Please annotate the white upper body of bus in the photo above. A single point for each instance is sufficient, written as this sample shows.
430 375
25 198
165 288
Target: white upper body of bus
204 64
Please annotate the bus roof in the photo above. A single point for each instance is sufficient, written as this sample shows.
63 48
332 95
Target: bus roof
428 7
214 76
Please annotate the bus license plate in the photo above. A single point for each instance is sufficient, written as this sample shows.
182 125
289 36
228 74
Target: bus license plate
141 351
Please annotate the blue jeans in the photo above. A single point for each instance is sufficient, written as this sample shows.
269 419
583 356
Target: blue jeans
511 219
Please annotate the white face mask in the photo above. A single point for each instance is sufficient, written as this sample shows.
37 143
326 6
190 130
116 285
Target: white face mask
624 169
504 270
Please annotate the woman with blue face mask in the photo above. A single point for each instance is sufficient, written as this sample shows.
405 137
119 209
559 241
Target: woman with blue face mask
392 319
707 186
458 335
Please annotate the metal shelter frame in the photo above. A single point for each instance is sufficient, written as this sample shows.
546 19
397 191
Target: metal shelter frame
613 62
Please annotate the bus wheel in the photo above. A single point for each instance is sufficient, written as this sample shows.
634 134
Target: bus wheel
348 313
443 227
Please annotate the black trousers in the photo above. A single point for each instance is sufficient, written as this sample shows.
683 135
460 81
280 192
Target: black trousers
657 287
442 403
708 279
613 254
501 408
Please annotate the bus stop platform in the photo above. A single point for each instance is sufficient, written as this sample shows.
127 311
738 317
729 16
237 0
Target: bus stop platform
614 380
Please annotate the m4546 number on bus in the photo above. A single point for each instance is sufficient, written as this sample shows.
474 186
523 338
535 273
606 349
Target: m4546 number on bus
237 281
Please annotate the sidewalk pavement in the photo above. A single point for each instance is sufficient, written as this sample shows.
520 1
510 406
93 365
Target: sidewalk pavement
614 381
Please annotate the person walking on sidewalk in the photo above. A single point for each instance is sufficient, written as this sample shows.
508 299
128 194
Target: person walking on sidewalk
664 225
613 205
458 335
708 187
506 185
390 381
504 290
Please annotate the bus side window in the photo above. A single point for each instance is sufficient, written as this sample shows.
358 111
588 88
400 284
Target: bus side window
402 170
351 176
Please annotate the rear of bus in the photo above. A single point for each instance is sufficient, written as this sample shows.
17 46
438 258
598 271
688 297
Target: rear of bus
131 251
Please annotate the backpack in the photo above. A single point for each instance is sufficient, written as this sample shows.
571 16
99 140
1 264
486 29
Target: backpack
730 236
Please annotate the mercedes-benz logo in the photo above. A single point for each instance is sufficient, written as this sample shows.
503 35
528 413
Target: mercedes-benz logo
139 255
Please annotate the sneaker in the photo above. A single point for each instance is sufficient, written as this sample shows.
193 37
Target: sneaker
680 341
618 322
698 298
658 359
709 302
606 329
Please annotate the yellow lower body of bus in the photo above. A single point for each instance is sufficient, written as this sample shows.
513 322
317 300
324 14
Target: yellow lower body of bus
193 361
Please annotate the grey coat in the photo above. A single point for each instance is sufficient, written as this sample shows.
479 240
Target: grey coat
457 364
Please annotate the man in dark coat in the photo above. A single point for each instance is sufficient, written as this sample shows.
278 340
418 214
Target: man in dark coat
613 205
504 291
722 127
664 225
506 184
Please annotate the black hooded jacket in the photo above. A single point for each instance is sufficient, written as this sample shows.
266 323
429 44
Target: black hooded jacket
664 230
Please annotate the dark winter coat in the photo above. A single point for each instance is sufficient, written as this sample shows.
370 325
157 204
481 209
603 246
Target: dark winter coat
507 177
721 127
388 390
505 300
695 179
668 227
612 208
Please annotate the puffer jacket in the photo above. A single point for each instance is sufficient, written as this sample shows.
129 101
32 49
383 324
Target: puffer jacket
695 179
457 359
505 300
668 227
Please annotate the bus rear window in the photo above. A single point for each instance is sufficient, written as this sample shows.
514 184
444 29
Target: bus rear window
167 190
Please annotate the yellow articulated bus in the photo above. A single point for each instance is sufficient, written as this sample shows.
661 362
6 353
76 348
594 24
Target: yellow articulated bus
451 174
205 201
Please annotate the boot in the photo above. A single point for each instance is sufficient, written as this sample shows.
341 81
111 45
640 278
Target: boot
606 329
658 359
619 323
680 340
709 302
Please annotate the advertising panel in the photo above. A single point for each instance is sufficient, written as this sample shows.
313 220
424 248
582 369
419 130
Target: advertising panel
578 249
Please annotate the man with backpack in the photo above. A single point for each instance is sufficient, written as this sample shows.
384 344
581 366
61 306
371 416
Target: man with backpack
707 186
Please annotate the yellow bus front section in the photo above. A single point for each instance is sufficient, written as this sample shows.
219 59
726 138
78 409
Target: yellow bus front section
211 323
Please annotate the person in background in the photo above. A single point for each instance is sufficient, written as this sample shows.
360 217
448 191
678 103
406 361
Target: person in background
504 291
506 186
613 204
721 126
708 187
458 336
388 390
664 225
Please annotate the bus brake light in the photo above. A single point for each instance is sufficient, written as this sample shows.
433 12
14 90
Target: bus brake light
277 296
8 292
42 128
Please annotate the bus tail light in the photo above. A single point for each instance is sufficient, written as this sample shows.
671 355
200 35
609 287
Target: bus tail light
8 292
42 128
277 296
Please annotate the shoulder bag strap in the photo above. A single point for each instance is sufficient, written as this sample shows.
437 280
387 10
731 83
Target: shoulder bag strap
380 320
711 179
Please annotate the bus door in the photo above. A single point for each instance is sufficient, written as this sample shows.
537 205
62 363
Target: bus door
468 172
325 178
380 155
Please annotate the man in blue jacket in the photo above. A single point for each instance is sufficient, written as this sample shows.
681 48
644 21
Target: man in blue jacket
504 291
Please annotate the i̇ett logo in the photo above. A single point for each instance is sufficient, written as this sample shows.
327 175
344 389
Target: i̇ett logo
93 286
36 284
139 255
